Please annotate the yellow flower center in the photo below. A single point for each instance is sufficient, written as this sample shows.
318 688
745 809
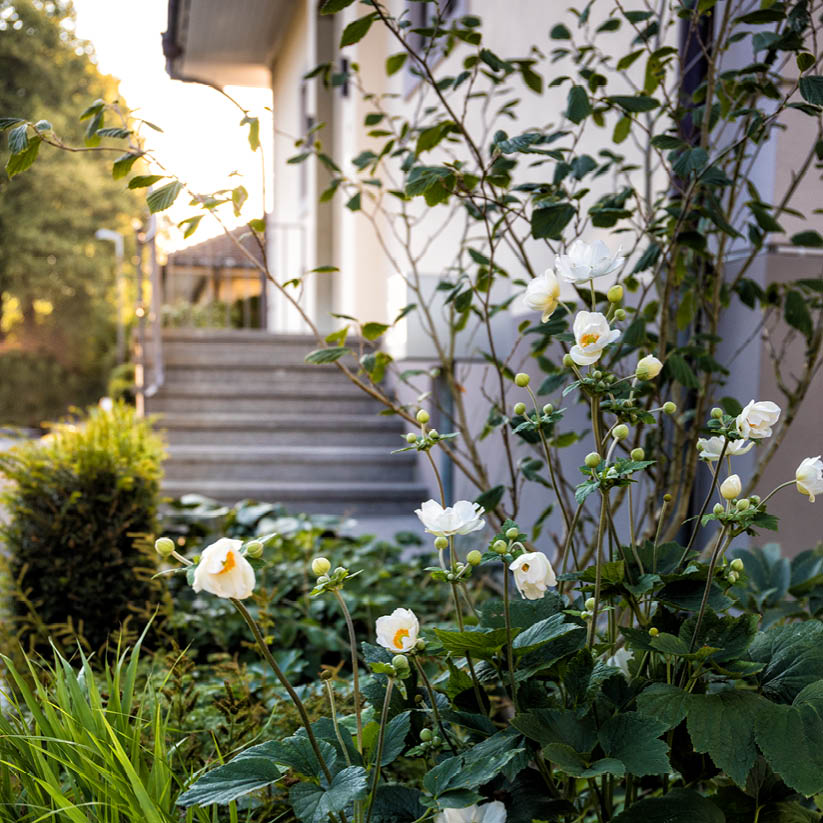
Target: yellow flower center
397 640
228 564
525 567
588 339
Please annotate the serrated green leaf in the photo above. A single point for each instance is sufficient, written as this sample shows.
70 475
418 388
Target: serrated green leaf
793 658
8 122
811 89
141 181
542 632
122 165
549 221
664 702
678 806
24 159
632 738
18 139
356 30
314 804
249 771
162 198
371 331
479 643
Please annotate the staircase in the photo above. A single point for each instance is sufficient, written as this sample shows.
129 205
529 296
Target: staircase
246 417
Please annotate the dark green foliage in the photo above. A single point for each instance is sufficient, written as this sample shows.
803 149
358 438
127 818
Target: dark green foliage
80 505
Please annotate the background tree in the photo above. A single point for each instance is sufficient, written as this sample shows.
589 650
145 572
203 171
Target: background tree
57 308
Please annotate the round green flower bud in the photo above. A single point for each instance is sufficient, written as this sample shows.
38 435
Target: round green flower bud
585 615
436 741
519 408
716 413
718 508
548 408
620 432
669 407
164 546
755 499
732 577
320 565
597 374
615 294
420 645
254 549
512 532
400 661
441 543
422 417
592 460
521 379
500 546
425 735
411 437
450 577
737 564
474 558
434 434
326 674
340 570
667 498
324 578
590 604
620 314
567 361
653 632
638 454
743 504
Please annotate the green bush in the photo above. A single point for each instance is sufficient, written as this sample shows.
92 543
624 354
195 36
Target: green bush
79 508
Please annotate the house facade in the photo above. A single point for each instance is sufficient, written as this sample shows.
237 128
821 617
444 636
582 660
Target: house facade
276 43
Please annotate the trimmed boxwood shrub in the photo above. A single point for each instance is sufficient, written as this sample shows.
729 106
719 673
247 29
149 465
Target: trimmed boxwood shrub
80 508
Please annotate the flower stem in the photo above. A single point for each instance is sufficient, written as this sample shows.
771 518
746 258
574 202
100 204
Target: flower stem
509 651
301 709
330 692
718 546
384 716
433 702
354 668
598 579
706 501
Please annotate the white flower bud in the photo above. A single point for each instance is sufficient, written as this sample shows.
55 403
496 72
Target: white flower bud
731 487
320 566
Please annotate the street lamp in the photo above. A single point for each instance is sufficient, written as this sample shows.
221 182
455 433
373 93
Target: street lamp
117 238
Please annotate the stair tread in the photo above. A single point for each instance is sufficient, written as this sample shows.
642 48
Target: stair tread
256 390
268 452
255 421
327 489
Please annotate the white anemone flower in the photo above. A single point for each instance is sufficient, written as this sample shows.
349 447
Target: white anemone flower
592 334
583 261
398 631
711 448
809 477
494 812
543 294
463 517
757 418
223 571
533 575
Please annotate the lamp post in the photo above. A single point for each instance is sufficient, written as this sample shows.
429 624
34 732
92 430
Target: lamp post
117 238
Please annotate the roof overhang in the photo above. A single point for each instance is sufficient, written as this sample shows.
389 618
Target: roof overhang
224 43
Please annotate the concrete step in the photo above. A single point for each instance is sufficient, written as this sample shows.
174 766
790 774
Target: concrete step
235 347
294 375
237 397
285 464
282 430
327 498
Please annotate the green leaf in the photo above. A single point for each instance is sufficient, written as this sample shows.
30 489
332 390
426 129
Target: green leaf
633 104
578 105
812 239
797 314
571 762
722 725
811 89
371 331
395 62
333 6
549 221
560 32
793 658
162 198
678 806
23 160
122 166
18 139
8 122
357 30
664 702
191 224
789 737
296 752
490 499
114 131
395 737
622 129
328 355
140 181
314 804
251 770
548 726
681 371
480 643
632 738
542 632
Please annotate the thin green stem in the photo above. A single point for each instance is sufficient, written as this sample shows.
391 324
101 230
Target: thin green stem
718 547
598 579
354 669
706 501
333 708
775 491
433 701
301 709
509 650
381 737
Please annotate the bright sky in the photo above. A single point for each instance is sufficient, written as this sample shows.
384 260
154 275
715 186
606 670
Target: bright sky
202 141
